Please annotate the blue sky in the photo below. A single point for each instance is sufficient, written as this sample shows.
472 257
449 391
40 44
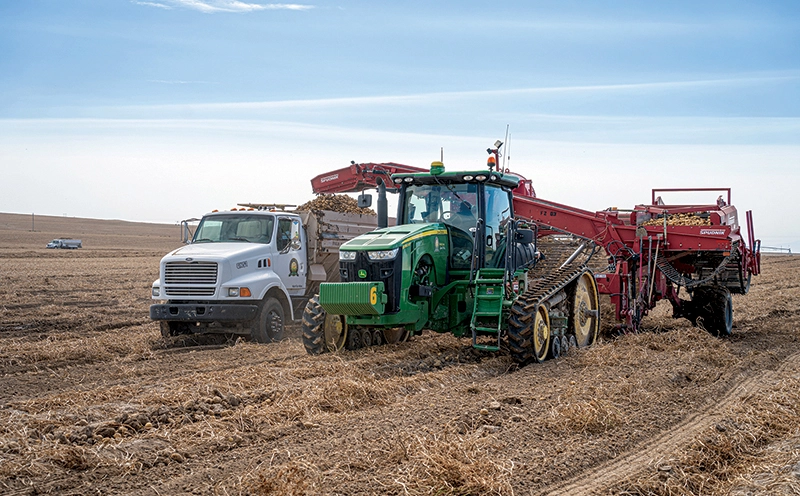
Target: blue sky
163 110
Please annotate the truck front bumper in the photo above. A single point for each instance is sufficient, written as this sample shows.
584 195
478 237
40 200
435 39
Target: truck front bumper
203 312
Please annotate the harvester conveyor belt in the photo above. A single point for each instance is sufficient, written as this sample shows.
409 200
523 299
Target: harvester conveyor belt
676 277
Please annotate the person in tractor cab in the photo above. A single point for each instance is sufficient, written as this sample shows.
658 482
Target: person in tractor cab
464 218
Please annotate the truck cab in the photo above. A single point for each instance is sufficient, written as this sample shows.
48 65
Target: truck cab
244 272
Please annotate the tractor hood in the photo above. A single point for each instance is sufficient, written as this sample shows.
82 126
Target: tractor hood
393 237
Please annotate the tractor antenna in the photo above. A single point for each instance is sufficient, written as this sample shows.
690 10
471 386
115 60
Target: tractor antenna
508 152
508 146
441 155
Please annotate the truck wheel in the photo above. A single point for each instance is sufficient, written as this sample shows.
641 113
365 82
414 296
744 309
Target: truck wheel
170 329
322 332
267 327
166 330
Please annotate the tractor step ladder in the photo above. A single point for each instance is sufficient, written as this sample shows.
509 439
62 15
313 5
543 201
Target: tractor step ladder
487 314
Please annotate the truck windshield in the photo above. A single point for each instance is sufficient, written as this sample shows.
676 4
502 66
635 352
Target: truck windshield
246 228
452 204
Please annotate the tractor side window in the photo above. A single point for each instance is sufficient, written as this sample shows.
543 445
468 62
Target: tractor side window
498 214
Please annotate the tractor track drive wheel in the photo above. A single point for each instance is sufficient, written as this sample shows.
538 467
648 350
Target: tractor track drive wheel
584 316
267 327
529 334
322 332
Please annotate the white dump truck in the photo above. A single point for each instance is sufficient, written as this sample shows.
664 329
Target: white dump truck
67 244
251 270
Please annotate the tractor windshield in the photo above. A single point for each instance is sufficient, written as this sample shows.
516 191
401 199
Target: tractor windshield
452 204
246 228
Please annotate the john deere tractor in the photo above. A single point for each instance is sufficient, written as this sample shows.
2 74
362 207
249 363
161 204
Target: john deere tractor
457 261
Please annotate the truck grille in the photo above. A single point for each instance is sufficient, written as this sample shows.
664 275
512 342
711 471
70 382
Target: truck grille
186 274
185 292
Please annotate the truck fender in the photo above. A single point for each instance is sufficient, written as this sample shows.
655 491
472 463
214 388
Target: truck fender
278 291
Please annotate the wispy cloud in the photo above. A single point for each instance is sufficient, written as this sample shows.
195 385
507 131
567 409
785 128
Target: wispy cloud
213 6
154 4
178 81
439 97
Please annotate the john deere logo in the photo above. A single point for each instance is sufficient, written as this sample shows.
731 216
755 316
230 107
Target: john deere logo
293 265
362 273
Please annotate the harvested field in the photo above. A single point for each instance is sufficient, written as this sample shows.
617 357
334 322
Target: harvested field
94 401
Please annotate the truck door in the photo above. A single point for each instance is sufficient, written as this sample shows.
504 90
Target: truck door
290 259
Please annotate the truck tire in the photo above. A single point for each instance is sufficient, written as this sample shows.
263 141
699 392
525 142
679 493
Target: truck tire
268 327
166 329
322 332
171 329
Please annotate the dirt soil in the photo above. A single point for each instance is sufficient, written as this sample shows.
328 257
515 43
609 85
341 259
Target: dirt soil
94 401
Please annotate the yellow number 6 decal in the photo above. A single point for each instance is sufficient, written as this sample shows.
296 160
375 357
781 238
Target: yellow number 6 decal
373 295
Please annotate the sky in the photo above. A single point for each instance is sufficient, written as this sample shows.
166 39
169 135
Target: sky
162 110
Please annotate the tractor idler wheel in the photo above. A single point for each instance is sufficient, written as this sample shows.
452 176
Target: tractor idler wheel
555 348
565 347
354 339
366 338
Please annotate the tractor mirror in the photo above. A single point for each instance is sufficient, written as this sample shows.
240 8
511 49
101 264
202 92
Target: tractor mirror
524 236
364 200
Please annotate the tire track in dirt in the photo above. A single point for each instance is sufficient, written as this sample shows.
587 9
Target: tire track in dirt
604 476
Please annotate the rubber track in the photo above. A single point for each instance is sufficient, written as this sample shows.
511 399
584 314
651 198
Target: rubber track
519 339
547 286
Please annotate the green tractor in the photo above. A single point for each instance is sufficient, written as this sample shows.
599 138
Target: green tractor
457 261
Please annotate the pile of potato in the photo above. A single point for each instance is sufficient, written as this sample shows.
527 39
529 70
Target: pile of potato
336 203
687 219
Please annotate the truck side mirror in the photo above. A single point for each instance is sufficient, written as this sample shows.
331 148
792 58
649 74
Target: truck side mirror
524 236
364 200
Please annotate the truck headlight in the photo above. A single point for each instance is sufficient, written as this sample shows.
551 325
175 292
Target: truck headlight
235 292
383 254
156 292
347 255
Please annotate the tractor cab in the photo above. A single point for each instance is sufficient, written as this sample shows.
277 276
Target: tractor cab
474 207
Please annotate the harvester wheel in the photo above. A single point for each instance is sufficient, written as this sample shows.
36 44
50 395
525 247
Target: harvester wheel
268 324
584 317
322 332
377 337
714 309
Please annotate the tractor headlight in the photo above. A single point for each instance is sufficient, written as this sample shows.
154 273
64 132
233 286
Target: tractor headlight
468 177
347 255
480 177
383 254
